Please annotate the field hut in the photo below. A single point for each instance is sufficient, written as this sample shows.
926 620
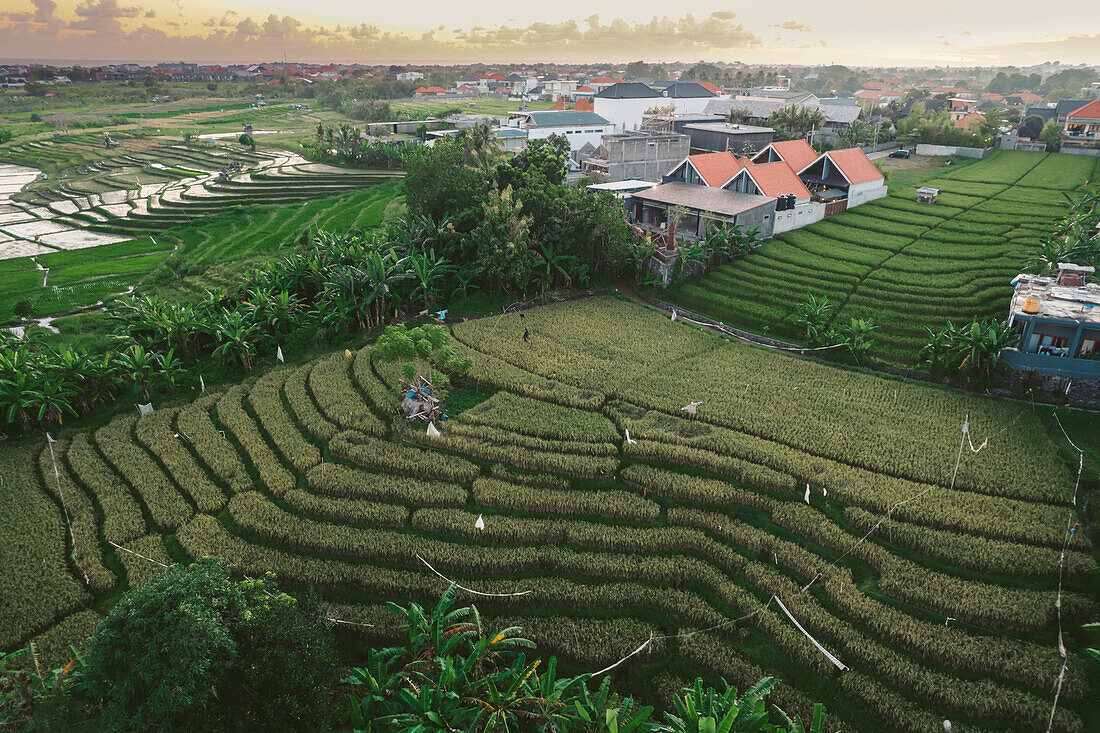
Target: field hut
927 195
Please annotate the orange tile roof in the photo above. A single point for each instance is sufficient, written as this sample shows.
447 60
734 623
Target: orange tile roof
710 87
969 119
875 85
855 165
560 104
717 168
797 153
586 89
777 179
992 97
1090 111
584 105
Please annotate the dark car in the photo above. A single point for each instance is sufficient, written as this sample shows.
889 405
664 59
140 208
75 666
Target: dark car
900 154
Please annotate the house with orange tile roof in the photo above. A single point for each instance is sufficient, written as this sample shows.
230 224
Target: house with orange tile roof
796 153
1083 125
846 174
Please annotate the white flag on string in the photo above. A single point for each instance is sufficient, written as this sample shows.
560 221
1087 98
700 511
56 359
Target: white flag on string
279 353
202 384
673 315
145 409
49 438
480 523
629 440
807 493
433 431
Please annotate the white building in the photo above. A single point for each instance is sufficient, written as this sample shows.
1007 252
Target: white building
410 76
687 97
579 128
624 104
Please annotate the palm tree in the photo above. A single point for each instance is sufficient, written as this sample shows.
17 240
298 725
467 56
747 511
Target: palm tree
19 393
980 344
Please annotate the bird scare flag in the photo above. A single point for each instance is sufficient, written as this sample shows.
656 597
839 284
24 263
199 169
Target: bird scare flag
433 431
480 523
202 384
279 354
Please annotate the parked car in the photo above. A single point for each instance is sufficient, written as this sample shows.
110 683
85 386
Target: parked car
900 154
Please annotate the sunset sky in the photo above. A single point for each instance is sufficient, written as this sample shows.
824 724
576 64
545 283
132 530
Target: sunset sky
863 32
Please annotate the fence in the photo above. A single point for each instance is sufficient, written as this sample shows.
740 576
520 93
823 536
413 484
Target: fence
881 146
1081 151
923 149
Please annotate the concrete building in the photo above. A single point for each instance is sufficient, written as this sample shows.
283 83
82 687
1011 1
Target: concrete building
1058 322
636 155
687 97
1082 125
625 103
838 116
579 128
707 208
715 137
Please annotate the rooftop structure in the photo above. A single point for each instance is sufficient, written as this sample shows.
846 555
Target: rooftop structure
1058 321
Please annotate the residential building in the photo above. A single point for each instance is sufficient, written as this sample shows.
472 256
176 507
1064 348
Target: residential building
714 137
410 76
707 208
625 103
579 128
848 172
798 154
838 116
687 97
422 92
1058 322
622 189
1055 111
1082 125
636 155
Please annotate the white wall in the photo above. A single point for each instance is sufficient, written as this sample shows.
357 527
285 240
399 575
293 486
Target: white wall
625 114
689 105
801 215
861 193
577 135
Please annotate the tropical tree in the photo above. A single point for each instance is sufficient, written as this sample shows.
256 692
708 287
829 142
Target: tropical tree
428 270
973 350
814 314
419 347
857 334
139 367
550 264
236 336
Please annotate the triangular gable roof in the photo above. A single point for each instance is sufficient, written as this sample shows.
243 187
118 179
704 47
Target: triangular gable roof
560 104
970 119
1090 111
853 164
717 169
776 179
583 105
710 87
796 153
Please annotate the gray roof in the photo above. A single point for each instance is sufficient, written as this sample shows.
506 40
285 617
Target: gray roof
761 108
627 90
704 198
1070 105
727 128
687 90
1044 112
559 118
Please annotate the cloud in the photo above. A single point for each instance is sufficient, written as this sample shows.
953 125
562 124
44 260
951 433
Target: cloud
44 10
101 15
792 26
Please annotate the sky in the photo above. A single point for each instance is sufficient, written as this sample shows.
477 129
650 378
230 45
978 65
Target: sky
857 32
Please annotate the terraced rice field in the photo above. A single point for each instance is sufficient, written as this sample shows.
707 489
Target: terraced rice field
696 524
907 265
